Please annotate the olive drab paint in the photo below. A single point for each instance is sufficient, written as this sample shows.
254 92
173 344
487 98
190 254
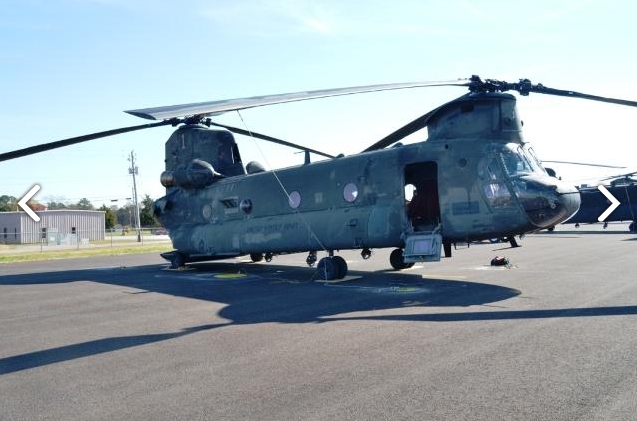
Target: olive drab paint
475 178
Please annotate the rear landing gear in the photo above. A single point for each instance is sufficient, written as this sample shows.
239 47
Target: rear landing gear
177 260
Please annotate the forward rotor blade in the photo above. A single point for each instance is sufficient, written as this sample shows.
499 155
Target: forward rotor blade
524 87
408 129
583 163
220 107
269 139
79 139
559 92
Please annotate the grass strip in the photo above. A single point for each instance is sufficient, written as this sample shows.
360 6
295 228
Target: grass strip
89 252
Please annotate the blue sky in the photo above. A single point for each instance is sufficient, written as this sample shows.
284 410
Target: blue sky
71 67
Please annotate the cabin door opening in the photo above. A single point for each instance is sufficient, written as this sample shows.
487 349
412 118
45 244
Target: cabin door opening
422 201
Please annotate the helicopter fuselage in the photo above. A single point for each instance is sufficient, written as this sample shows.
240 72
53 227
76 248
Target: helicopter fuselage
473 178
467 185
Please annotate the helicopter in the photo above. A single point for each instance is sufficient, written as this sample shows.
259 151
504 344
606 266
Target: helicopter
593 202
473 178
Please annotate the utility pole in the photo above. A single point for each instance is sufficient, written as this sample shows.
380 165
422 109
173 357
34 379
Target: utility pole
134 171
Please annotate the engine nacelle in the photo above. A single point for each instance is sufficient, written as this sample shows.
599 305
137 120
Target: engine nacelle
197 175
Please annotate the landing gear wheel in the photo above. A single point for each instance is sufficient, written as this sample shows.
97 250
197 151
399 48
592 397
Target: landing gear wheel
397 260
256 257
177 261
632 227
341 267
327 269
268 257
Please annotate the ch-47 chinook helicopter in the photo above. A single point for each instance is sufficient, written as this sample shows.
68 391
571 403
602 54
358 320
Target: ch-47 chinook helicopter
474 178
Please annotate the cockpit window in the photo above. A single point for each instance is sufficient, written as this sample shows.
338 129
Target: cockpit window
515 160
494 186
535 162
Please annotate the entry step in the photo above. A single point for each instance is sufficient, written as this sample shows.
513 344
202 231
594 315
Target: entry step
423 247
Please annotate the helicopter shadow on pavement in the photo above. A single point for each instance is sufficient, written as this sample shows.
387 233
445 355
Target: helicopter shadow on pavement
258 293
254 293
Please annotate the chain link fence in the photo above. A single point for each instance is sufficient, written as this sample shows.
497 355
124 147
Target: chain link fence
52 239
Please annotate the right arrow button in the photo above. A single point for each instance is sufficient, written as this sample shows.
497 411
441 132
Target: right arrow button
613 203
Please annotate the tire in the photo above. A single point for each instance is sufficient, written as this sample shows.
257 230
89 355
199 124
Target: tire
341 267
256 257
326 269
397 260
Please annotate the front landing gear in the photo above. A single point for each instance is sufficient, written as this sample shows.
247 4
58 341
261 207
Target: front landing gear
332 267
397 260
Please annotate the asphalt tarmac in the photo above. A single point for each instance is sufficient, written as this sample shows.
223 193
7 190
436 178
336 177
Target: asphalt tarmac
551 336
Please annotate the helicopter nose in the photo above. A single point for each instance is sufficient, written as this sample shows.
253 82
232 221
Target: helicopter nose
569 200
547 201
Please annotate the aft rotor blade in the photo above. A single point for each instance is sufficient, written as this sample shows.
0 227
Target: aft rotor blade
583 163
79 139
408 129
220 107
269 139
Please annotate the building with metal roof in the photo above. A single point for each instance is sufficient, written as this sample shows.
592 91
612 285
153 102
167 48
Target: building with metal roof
55 227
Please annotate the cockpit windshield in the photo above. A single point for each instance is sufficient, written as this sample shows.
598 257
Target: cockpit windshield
509 162
535 161
518 161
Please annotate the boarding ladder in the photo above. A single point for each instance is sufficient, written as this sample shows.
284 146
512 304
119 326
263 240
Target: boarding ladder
423 245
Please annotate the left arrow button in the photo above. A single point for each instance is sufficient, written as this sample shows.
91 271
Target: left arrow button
23 203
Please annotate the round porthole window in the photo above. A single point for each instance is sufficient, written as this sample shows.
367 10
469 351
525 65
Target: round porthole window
350 192
294 199
246 205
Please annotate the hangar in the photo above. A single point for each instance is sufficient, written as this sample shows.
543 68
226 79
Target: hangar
55 227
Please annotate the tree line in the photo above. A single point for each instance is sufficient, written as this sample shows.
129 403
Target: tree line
114 215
